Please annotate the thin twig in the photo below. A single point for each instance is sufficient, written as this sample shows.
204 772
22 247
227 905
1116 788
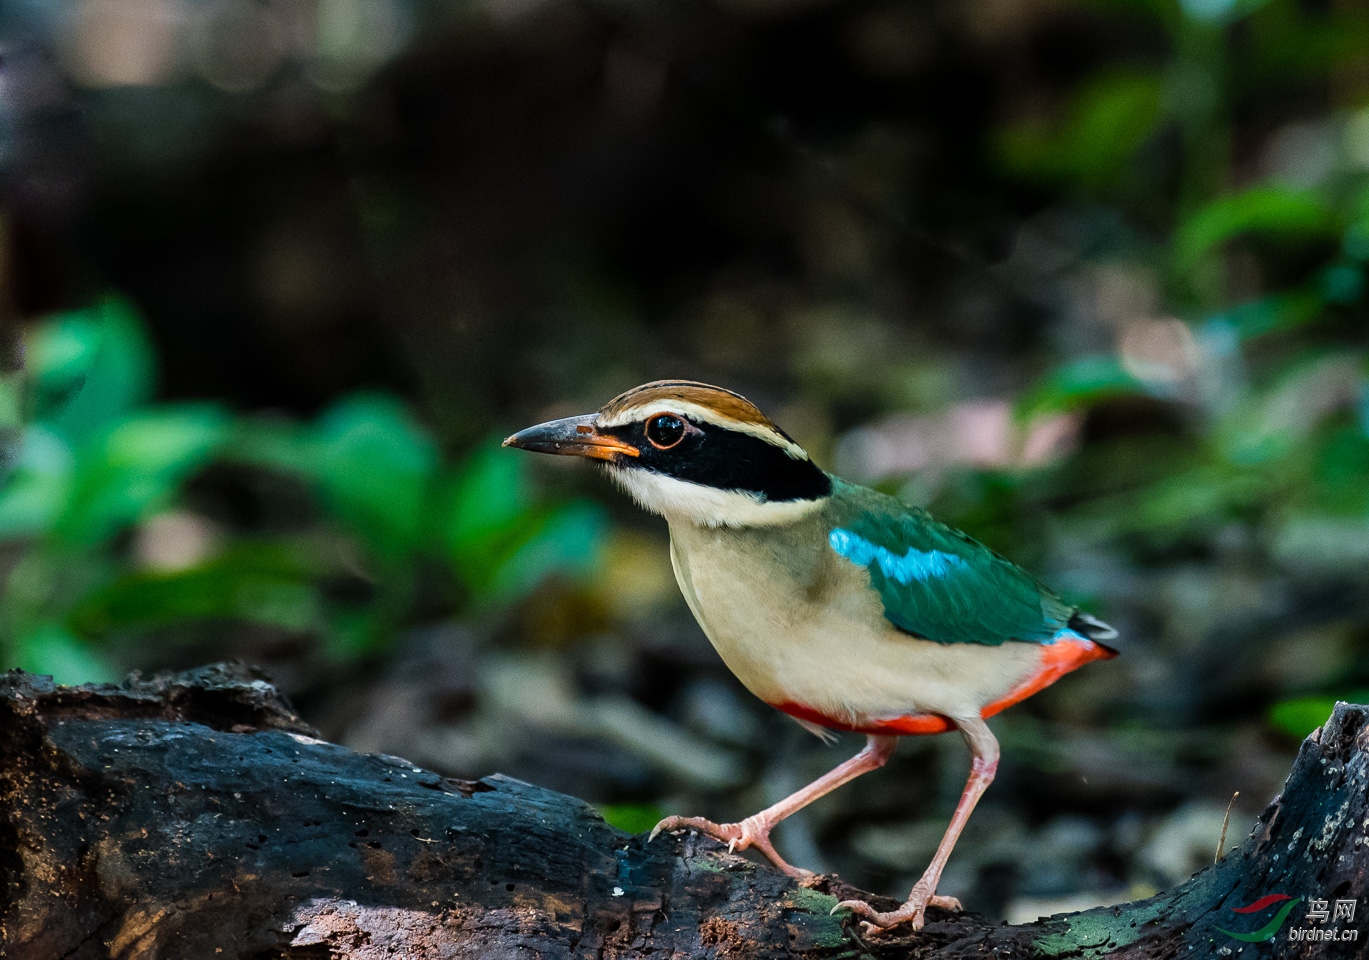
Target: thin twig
1221 842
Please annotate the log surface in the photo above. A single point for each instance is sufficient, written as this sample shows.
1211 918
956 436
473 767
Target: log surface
197 816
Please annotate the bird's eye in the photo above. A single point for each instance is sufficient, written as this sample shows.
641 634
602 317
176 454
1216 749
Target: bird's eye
665 431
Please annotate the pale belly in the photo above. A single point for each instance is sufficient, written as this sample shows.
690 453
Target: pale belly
834 653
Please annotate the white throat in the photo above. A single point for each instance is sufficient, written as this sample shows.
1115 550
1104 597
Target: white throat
704 506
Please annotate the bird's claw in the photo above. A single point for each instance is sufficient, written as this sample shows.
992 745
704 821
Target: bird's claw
671 824
913 912
751 832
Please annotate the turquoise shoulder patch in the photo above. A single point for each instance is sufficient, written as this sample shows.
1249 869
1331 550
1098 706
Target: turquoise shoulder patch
915 565
938 583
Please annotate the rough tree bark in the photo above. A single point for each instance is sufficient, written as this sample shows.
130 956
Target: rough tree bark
196 816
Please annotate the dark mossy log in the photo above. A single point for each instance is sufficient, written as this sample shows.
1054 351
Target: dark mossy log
196 816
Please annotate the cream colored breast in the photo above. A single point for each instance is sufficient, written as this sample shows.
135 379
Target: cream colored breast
798 624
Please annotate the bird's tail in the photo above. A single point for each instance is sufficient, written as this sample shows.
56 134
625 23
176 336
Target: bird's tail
1093 629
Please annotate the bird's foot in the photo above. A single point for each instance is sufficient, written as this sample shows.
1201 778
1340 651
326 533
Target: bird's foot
913 912
751 832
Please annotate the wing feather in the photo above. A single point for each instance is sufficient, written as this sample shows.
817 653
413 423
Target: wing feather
938 583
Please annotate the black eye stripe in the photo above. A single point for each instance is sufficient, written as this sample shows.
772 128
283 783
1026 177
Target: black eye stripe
714 456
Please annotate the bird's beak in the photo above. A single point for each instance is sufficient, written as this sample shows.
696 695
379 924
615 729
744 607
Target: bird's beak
573 436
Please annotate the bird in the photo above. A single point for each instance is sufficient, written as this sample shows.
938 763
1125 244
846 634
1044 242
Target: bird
840 606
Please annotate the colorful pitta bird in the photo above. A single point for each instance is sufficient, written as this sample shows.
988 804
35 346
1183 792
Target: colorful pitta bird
843 607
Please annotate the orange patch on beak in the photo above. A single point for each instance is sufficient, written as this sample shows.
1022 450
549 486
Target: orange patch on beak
572 437
607 448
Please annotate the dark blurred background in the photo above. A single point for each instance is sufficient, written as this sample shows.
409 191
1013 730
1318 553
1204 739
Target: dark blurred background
1085 277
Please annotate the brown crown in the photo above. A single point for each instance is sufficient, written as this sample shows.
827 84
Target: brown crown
725 403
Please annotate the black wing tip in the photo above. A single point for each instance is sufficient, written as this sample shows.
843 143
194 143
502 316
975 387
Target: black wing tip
1090 627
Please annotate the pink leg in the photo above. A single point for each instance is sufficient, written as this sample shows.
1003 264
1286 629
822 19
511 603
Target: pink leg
984 750
754 831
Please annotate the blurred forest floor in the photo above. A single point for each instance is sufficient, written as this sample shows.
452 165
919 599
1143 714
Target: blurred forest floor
1085 278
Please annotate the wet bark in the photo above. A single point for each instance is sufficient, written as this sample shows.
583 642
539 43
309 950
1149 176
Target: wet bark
197 816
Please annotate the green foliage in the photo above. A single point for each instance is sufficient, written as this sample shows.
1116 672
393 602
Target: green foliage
89 370
1256 420
1078 385
501 543
374 468
263 581
1109 120
1289 215
131 467
1269 434
632 818
1300 716
99 464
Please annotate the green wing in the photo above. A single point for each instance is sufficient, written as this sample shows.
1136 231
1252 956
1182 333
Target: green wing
941 584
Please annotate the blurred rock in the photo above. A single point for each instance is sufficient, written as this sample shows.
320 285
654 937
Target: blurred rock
670 747
430 683
1186 841
538 691
1056 858
718 710
898 846
1314 657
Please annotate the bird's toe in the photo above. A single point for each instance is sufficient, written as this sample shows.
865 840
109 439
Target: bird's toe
910 915
945 903
665 826
729 833
859 907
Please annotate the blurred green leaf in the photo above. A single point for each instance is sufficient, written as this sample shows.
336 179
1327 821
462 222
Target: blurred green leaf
51 650
1078 384
1320 544
1110 118
1339 468
1280 311
1296 40
11 401
1219 11
11 423
540 542
1300 716
632 818
566 543
1273 209
1188 501
1355 243
136 467
1342 283
1270 423
488 496
90 368
502 545
274 444
352 633
36 491
375 469
1206 496
102 459
261 582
